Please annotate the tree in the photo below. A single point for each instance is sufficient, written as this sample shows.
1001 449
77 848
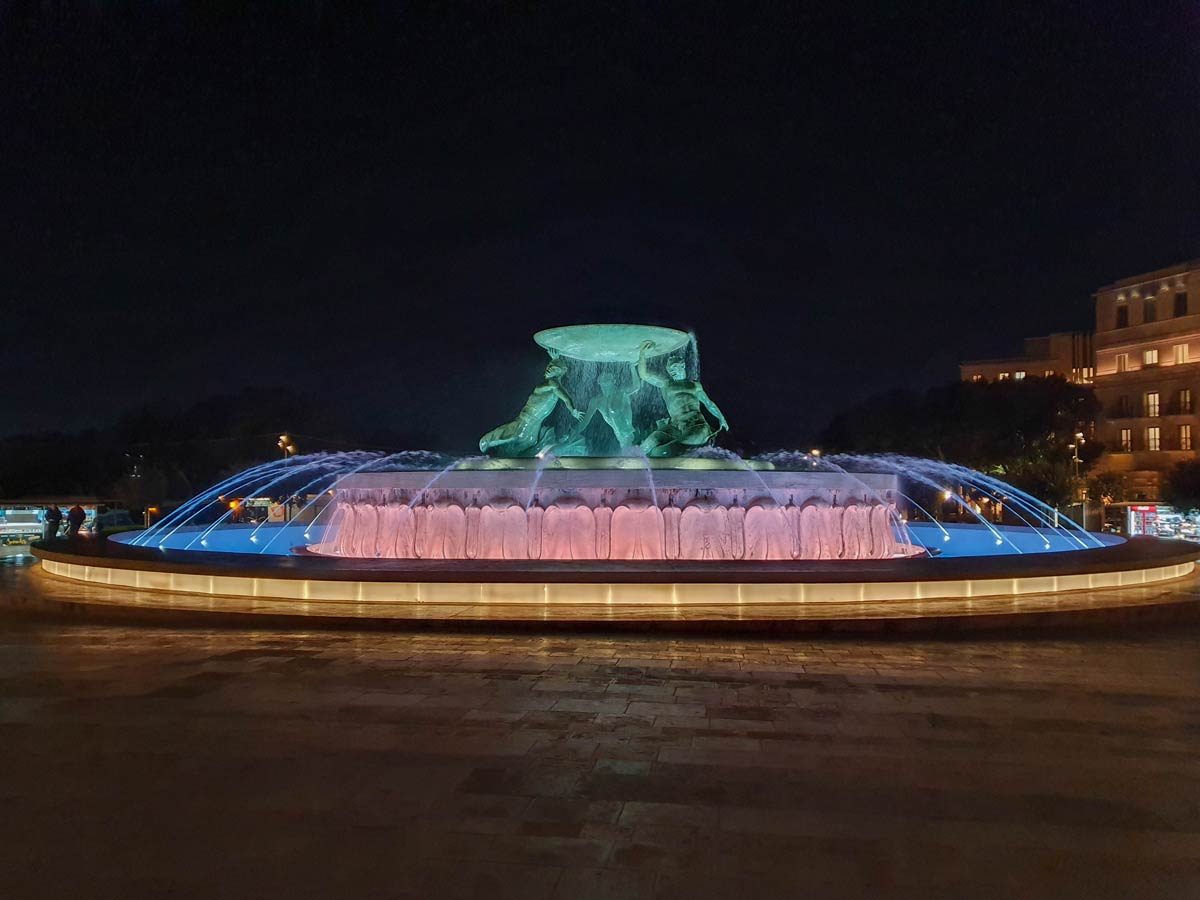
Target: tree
1181 487
135 492
1009 427
1108 487
1051 480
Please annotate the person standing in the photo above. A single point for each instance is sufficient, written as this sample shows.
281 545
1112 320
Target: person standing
75 517
51 522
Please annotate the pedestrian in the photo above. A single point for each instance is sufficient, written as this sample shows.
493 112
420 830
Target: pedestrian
75 517
52 521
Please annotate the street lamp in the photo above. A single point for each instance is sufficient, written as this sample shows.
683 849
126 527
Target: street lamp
286 444
1074 448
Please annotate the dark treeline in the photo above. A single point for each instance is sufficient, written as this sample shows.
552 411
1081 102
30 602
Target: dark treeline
164 452
1019 430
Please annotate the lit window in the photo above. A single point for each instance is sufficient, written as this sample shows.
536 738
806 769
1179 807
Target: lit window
1127 439
1149 310
977 377
1181 353
1149 357
1122 362
1003 376
1150 403
1017 376
1181 304
1153 438
1122 316
1185 437
1049 373
1185 400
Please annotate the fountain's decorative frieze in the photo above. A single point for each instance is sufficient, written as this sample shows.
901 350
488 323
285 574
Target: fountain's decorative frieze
563 514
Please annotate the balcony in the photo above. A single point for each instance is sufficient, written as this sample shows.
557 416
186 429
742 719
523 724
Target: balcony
1132 460
1129 411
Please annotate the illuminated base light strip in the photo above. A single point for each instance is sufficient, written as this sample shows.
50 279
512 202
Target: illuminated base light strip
565 593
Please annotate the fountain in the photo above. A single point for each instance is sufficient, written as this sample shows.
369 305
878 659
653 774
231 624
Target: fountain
616 491
606 487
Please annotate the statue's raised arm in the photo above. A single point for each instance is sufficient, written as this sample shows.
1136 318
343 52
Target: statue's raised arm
643 372
635 382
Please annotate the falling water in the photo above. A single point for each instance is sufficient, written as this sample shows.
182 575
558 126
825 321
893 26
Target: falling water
646 467
544 460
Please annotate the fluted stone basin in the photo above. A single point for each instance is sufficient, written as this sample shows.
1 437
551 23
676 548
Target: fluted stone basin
615 514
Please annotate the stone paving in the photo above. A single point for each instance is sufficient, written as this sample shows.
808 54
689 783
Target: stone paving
186 762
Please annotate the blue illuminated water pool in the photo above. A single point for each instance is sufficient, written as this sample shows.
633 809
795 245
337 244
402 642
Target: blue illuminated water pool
949 541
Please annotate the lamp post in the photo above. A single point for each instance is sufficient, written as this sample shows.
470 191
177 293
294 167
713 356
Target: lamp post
1079 442
286 444
1077 489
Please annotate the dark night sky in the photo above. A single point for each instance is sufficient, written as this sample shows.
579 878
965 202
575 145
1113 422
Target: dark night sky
381 206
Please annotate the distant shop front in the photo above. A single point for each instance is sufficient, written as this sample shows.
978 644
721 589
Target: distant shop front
1151 520
23 521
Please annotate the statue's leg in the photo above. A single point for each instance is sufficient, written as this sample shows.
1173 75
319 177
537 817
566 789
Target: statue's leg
497 438
622 429
489 440
545 441
674 448
658 444
697 433
696 439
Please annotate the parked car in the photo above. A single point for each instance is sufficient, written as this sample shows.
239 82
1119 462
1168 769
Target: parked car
112 519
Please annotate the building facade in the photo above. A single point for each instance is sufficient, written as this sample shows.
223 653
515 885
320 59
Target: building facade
1066 355
1147 346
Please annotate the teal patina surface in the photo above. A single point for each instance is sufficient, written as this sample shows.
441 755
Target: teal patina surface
612 390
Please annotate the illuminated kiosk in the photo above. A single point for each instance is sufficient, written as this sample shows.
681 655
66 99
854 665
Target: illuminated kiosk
605 498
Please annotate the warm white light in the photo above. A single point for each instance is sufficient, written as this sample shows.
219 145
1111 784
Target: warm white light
676 595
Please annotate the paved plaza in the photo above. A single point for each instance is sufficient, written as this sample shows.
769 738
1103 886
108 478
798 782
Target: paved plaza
152 761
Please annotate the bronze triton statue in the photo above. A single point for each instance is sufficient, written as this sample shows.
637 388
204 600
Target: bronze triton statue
615 406
608 364
685 426
525 436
